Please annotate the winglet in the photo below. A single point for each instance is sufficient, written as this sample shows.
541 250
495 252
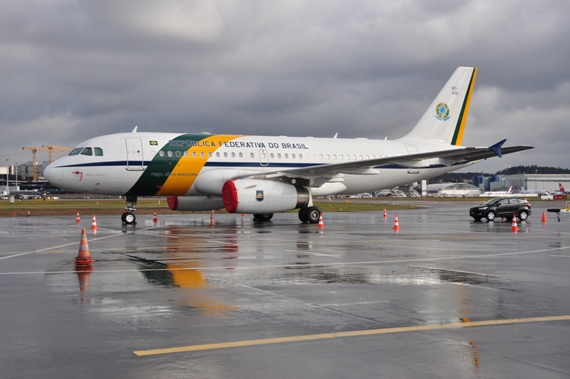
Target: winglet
497 148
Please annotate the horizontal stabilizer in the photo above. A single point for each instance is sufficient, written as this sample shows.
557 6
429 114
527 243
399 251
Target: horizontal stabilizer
497 148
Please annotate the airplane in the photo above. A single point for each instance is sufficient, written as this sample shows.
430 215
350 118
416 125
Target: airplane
263 175
497 193
518 191
561 190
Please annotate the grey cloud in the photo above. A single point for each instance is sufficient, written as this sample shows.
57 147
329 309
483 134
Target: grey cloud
72 70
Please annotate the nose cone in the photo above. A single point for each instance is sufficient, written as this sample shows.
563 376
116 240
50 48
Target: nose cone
53 174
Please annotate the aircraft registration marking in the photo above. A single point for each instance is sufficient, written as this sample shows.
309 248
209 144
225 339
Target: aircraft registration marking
355 333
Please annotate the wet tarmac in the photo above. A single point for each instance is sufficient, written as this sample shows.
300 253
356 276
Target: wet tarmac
444 297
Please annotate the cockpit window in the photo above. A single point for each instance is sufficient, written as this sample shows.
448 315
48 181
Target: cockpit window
98 151
76 151
87 151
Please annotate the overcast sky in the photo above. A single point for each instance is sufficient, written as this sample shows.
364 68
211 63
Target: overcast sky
73 69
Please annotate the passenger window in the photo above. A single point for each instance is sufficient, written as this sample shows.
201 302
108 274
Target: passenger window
98 152
87 151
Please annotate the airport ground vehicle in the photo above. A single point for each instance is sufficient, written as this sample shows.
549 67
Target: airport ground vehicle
506 207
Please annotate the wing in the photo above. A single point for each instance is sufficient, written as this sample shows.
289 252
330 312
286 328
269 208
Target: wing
319 174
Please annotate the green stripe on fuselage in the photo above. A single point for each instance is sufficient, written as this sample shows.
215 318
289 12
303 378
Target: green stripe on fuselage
158 170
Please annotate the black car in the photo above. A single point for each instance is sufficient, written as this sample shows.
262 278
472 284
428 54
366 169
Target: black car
506 207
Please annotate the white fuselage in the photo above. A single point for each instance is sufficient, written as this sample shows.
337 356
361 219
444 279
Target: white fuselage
190 164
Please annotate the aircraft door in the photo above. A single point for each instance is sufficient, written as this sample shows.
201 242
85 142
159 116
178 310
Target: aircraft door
263 157
134 154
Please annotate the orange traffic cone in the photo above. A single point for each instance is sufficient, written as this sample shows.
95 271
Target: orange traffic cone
83 257
396 224
94 223
514 227
212 223
154 218
385 214
321 225
543 219
77 218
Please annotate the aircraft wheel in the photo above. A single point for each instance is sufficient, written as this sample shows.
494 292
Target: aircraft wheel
312 215
302 215
263 216
129 218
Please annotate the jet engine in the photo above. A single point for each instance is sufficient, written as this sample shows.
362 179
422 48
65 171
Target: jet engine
262 196
194 203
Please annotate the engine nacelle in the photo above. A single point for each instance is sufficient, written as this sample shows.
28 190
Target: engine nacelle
262 196
194 203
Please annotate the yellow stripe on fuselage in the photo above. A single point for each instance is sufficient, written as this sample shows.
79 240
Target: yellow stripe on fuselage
188 167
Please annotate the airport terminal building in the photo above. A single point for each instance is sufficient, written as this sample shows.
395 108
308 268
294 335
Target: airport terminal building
539 182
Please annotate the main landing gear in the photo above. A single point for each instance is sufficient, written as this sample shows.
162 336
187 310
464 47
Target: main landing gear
263 216
310 215
129 218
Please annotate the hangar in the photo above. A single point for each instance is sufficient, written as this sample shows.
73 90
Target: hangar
531 182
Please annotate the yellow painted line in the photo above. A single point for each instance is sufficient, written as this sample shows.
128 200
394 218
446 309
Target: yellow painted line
356 333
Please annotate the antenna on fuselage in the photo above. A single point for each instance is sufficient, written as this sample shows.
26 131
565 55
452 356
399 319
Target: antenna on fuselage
135 129
336 135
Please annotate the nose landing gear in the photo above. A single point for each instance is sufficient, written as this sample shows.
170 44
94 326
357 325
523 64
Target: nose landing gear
129 218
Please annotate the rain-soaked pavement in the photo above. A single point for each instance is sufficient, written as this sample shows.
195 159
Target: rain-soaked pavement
445 297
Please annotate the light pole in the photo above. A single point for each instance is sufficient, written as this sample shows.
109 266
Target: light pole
16 176
7 172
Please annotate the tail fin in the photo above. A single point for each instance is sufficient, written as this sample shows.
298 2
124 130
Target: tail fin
444 120
561 187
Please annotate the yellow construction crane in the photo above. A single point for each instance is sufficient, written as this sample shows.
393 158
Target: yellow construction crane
44 149
57 149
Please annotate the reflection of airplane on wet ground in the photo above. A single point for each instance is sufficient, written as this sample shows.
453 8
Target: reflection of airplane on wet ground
262 175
